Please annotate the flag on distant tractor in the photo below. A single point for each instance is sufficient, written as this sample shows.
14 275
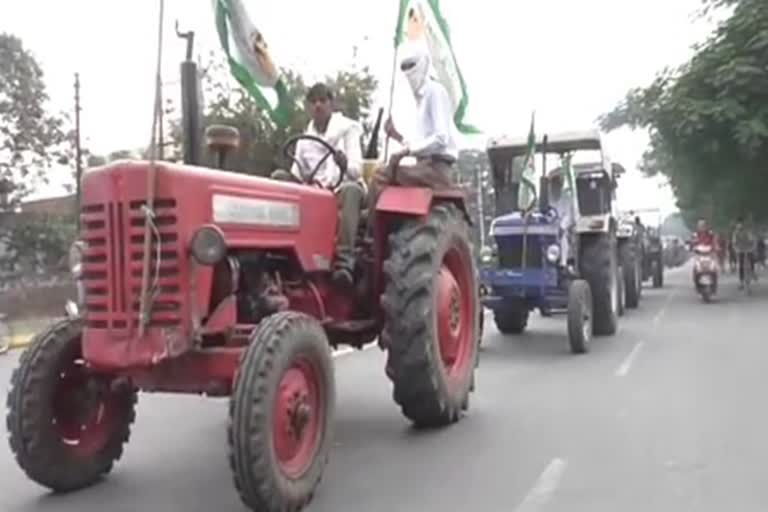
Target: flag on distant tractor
249 60
422 22
527 193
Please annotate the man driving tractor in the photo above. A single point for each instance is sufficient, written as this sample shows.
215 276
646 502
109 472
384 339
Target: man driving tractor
434 147
343 134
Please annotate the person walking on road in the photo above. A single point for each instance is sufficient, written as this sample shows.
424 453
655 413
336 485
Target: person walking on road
745 246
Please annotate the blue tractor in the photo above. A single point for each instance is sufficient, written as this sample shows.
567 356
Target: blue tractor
559 252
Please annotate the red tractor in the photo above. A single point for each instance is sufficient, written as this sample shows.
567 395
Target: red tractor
196 280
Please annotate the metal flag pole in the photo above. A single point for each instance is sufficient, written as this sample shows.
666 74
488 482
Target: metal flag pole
391 99
145 299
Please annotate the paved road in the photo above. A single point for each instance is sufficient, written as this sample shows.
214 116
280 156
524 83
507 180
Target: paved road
667 416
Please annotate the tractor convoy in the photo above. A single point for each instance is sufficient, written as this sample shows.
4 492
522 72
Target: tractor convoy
196 280
568 251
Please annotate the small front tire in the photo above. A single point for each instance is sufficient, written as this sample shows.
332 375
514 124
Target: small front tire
511 321
281 413
580 318
67 425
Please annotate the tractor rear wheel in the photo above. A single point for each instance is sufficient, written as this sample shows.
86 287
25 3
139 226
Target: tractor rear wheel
511 321
599 267
281 413
67 425
431 316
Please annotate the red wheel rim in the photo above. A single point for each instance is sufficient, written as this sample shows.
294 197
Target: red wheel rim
455 314
298 417
84 410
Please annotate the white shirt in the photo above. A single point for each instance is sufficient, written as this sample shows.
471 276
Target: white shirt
434 129
341 133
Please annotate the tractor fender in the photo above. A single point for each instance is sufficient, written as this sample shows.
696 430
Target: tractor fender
417 201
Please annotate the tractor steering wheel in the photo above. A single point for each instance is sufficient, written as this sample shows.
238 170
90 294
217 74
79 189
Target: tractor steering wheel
309 179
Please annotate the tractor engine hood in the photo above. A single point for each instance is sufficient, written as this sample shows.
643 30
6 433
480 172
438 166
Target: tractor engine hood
516 223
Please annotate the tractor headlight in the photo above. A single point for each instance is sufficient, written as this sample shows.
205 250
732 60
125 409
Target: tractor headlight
490 250
553 253
76 251
486 254
208 246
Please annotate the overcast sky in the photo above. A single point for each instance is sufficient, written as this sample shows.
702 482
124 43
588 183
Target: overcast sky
570 60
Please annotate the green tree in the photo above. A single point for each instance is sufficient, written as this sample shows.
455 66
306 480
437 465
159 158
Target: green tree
31 139
37 244
708 119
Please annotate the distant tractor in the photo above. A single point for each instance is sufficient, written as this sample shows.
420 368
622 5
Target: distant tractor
559 253
653 258
631 255
653 249
195 280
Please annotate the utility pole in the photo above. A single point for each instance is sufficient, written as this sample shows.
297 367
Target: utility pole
78 152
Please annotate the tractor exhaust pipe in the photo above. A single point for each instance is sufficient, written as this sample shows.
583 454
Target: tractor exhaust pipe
191 100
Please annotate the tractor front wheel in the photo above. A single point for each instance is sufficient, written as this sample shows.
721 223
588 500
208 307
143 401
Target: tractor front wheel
431 316
511 321
67 425
579 316
281 413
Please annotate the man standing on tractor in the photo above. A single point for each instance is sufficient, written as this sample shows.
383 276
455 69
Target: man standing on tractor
343 134
434 148
562 199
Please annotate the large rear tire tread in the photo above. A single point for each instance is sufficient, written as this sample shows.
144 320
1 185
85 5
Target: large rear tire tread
599 267
38 450
414 364
511 321
257 476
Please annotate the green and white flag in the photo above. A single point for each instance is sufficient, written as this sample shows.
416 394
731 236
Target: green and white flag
527 191
422 20
249 60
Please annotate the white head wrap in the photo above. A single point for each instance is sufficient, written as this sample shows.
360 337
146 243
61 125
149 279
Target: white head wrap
416 65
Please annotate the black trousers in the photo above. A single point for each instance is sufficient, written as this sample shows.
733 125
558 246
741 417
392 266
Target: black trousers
746 258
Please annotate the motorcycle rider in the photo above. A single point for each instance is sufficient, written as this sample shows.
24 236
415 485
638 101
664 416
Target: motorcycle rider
744 245
704 235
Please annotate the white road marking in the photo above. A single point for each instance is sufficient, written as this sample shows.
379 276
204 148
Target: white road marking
660 315
349 350
544 488
623 370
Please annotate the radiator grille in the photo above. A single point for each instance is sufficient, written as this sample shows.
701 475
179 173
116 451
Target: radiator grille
114 237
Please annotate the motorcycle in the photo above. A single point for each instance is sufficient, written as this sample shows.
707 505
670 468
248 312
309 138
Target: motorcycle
705 271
